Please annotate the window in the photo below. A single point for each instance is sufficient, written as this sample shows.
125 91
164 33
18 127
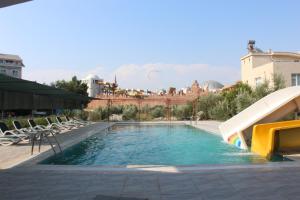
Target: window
15 73
295 79
9 62
258 81
2 71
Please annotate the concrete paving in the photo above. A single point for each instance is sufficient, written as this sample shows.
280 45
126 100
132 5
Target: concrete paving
210 126
245 183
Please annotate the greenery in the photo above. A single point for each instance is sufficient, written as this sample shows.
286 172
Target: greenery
74 85
130 112
24 123
228 103
157 111
213 106
182 112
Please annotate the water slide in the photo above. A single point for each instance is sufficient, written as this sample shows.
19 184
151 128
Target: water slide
272 108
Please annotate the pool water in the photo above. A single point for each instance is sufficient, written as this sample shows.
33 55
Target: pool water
153 145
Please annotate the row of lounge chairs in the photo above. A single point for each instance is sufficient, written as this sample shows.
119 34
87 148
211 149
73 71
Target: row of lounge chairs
37 132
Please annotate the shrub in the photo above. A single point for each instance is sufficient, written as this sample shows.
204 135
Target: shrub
116 110
243 100
129 112
221 111
262 90
278 82
157 111
81 114
206 103
95 115
68 112
182 112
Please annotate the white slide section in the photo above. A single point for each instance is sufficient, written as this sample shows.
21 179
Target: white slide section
238 129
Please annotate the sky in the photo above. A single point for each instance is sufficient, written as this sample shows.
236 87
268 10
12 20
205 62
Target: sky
147 44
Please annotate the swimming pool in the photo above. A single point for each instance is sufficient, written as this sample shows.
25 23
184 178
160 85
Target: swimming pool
153 145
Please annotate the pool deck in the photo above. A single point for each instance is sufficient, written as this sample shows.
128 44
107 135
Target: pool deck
31 181
209 126
195 183
13 155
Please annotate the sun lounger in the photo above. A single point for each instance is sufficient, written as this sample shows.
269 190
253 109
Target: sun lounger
33 134
9 140
61 122
45 132
4 131
82 121
77 123
56 125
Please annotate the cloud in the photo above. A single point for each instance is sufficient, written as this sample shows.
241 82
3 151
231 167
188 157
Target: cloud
146 76
161 75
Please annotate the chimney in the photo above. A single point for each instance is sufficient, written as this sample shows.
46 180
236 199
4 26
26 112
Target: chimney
251 46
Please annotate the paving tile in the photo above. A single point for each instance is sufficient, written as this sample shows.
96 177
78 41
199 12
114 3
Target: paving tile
141 196
182 197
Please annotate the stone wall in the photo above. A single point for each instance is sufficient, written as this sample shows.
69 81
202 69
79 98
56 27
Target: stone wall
150 101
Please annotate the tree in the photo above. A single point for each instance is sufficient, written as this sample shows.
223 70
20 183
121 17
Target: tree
278 82
74 85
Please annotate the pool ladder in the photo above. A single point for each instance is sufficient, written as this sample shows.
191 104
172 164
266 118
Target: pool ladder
41 135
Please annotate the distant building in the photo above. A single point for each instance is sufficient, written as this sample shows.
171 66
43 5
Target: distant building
211 86
258 66
195 88
94 88
11 65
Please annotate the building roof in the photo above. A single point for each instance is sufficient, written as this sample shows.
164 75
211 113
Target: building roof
10 57
212 85
4 3
16 94
12 84
273 53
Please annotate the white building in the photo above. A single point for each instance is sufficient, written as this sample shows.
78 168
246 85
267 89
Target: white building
11 65
259 66
93 87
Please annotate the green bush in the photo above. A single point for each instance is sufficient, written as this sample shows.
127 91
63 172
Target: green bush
243 100
262 90
116 110
157 111
182 112
81 114
24 121
95 115
278 82
206 103
130 112
221 111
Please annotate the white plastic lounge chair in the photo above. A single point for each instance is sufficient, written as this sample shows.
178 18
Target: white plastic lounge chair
61 122
20 129
45 133
4 131
33 134
9 140
76 123
82 121
56 125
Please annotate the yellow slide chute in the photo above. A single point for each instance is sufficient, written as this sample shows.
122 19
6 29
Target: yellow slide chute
277 137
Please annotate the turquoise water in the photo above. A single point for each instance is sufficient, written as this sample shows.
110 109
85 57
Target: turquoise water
153 145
